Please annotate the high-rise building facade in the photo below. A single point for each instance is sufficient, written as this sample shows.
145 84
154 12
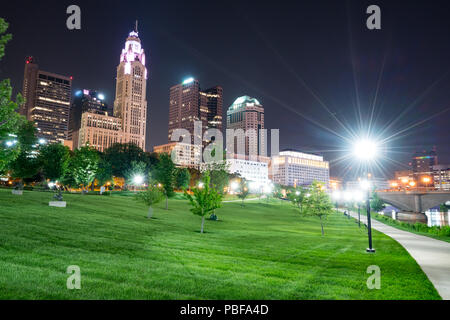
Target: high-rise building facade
131 103
246 117
100 129
47 102
188 103
85 101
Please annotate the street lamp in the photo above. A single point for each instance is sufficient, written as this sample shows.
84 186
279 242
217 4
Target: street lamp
367 150
365 184
137 180
358 196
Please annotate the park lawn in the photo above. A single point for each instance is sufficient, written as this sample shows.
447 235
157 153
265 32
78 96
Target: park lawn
261 251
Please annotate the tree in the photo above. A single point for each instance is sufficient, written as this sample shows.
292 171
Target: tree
121 156
151 196
54 160
164 173
84 166
376 203
25 166
218 172
297 196
182 178
10 120
205 199
104 172
317 203
244 192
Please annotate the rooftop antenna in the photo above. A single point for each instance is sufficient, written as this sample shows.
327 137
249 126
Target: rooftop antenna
136 28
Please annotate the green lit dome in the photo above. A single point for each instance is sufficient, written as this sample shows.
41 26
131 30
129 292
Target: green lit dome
241 101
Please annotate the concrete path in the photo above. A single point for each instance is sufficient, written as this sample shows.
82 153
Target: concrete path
432 255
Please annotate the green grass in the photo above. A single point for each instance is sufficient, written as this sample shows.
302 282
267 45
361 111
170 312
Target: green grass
262 251
409 227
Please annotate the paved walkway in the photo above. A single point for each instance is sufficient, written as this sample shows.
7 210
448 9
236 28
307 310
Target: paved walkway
432 255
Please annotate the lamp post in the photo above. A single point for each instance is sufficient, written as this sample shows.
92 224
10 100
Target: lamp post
358 196
366 150
366 185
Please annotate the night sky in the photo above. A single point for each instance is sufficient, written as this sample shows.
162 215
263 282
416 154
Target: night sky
300 59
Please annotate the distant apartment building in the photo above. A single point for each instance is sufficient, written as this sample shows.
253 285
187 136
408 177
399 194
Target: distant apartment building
188 103
295 168
184 155
47 102
246 117
100 129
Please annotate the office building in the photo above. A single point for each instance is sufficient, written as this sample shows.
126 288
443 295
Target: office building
184 155
188 103
256 172
47 102
131 103
97 127
295 168
440 176
423 161
84 101
246 117
100 131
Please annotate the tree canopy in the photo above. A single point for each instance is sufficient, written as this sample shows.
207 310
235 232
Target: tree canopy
317 203
10 120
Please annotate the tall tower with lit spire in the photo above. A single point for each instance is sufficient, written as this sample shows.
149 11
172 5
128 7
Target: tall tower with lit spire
131 104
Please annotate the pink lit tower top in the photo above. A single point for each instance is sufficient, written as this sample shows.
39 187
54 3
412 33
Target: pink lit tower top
131 103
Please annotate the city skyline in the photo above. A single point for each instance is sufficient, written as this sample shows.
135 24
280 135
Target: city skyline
304 123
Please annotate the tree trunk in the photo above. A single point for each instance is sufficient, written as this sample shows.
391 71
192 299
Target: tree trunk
321 224
167 202
150 212
203 222
242 202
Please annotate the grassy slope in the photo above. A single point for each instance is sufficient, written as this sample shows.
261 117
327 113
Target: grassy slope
264 251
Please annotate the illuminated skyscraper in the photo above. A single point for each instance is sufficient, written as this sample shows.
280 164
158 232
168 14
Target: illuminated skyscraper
246 117
128 125
47 101
85 101
188 103
131 103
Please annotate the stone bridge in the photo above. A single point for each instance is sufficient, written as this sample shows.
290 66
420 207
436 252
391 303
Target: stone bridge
415 201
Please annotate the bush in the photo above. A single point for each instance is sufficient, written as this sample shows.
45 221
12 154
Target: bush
444 231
